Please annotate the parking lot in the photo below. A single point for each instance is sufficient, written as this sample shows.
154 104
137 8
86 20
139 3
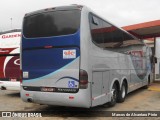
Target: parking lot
139 100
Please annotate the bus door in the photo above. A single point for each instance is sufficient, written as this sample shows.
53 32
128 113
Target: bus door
100 86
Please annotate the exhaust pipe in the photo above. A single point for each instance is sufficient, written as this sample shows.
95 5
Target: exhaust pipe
30 100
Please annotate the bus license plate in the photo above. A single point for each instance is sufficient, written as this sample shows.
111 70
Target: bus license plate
13 80
47 89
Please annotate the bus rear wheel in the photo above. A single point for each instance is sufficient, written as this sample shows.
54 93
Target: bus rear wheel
148 83
122 93
114 96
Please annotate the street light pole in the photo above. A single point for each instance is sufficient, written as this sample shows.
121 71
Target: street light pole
154 61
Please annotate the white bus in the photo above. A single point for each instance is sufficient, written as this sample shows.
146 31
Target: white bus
72 57
10 60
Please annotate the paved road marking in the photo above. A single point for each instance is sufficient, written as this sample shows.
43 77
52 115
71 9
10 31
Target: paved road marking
154 89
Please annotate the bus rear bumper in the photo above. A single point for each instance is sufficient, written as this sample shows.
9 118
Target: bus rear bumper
80 99
8 85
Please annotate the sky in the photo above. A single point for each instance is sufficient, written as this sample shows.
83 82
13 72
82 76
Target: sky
119 12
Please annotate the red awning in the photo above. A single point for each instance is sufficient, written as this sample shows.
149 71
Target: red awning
145 30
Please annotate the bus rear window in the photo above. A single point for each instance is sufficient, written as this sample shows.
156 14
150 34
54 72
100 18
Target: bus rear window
53 23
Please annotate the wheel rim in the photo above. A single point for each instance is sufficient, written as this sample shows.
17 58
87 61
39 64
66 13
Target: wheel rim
123 91
114 96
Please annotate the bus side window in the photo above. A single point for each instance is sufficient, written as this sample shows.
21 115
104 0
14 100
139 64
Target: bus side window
107 35
113 37
95 20
96 30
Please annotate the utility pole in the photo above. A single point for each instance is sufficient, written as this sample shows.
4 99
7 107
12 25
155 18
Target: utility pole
154 61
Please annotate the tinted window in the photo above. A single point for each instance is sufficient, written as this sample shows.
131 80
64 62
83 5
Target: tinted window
96 30
104 34
129 40
107 36
54 23
113 37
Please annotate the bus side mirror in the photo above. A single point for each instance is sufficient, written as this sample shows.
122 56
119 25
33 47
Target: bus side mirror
155 59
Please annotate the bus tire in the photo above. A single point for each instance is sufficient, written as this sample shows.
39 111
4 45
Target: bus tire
148 83
123 92
114 96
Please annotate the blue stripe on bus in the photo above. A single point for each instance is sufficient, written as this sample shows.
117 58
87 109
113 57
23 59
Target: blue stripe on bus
45 61
63 40
42 62
51 74
68 77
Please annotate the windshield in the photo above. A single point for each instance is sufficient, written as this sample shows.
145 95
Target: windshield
53 23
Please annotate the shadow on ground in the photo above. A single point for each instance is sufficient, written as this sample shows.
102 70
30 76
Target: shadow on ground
13 94
99 111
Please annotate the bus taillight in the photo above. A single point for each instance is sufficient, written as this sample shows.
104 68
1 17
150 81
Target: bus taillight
83 83
48 46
